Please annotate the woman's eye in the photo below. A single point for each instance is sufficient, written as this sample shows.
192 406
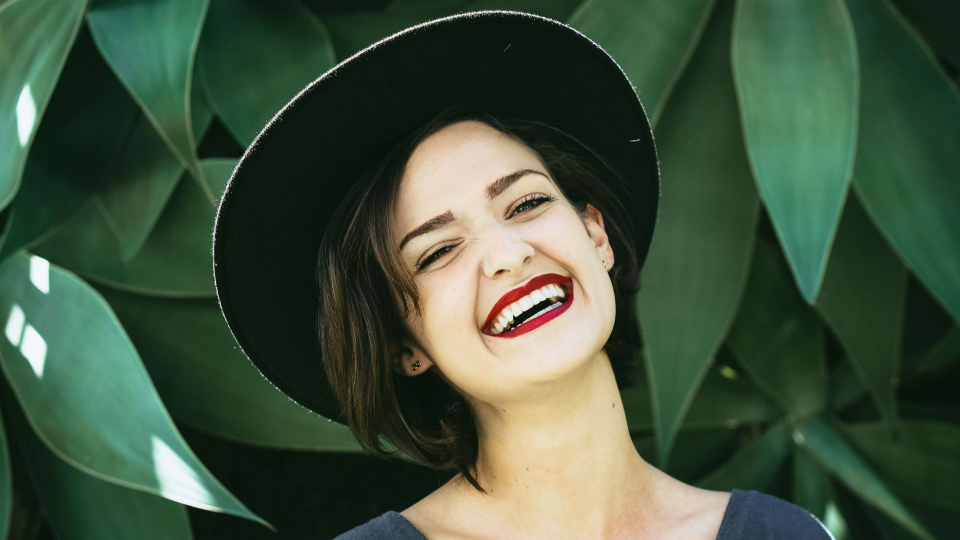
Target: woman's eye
526 205
530 203
434 256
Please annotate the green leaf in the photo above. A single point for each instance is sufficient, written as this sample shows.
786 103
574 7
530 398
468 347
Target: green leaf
724 400
907 159
728 399
810 485
6 485
778 339
754 466
247 83
796 74
81 506
944 353
700 253
142 179
206 381
175 259
824 445
937 20
695 452
36 38
942 523
856 520
652 41
863 299
137 188
925 327
922 464
84 127
85 392
151 48
845 385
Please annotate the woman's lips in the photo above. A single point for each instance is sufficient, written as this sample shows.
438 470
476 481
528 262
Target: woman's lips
533 324
565 282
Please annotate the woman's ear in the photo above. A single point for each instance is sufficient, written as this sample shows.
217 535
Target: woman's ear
593 221
410 360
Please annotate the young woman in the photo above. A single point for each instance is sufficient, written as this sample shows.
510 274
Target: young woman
478 221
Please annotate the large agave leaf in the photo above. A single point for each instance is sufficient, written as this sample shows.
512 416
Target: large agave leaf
247 83
81 506
151 48
206 381
863 299
927 326
824 445
652 40
140 183
696 452
845 386
921 464
724 400
86 393
6 485
36 38
937 20
810 485
136 189
754 466
700 254
945 352
907 160
778 339
86 122
795 68
175 259
943 524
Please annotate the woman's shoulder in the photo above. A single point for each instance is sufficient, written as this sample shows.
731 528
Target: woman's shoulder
387 526
758 516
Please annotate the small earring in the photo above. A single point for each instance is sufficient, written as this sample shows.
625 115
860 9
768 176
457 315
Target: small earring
415 366
604 264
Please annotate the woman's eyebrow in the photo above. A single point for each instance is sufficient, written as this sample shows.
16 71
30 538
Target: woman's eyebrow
495 188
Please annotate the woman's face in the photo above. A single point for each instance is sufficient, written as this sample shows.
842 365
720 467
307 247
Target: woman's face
500 224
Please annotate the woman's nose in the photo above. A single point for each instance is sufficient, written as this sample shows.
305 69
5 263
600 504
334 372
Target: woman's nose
504 250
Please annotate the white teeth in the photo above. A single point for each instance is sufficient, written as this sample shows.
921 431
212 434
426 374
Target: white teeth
506 317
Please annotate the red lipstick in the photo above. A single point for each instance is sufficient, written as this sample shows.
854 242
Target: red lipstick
564 282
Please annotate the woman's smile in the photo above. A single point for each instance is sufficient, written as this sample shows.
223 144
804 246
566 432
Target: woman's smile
530 306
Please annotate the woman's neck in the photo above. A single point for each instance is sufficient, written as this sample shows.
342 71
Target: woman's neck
561 463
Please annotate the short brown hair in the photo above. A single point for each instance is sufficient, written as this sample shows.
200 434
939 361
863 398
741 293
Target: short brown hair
366 291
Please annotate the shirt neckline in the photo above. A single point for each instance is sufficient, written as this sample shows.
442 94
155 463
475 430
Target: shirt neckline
733 507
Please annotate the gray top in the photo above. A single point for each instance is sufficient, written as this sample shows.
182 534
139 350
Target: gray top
749 515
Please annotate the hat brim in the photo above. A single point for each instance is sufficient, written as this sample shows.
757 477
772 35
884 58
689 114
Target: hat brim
288 183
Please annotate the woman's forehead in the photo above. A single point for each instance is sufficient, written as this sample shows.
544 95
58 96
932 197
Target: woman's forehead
453 169
460 160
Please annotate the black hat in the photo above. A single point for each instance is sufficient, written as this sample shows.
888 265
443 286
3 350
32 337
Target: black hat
293 176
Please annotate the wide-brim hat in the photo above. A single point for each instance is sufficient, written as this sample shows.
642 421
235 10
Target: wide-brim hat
283 191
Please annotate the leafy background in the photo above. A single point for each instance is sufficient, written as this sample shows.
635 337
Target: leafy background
800 308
